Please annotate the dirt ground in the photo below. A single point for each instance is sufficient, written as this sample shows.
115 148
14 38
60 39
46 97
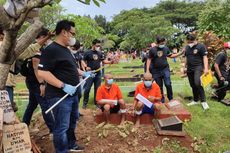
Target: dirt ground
110 138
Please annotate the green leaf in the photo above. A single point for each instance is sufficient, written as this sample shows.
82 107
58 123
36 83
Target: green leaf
102 1
96 3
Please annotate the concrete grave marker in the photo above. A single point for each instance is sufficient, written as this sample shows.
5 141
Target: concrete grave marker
1 126
5 104
16 139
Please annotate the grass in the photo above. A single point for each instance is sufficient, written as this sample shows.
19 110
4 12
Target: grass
212 126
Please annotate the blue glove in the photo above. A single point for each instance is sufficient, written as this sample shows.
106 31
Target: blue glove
69 89
88 73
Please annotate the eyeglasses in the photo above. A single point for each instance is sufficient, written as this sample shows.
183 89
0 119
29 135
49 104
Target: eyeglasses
72 33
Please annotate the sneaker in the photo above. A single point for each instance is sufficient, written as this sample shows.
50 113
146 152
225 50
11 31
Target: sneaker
192 103
205 105
78 148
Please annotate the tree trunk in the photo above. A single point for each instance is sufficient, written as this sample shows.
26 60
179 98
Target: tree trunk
8 46
4 70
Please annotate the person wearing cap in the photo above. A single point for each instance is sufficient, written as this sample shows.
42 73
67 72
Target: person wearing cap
93 58
151 91
221 71
160 70
110 98
197 64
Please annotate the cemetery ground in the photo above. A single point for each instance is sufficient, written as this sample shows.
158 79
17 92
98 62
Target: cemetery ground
207 132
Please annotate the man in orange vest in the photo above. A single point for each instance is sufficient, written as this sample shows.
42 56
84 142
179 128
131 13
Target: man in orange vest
149 90
109 97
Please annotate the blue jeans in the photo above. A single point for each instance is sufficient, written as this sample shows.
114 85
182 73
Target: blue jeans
34 100
10 91
161 76
147 110
97 82
65 115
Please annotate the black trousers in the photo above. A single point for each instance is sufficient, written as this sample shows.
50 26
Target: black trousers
87 87
163 76
195 83
222 88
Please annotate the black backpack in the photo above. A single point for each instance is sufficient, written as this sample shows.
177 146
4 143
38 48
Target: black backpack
22 67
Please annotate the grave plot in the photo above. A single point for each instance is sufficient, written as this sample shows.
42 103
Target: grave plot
111 138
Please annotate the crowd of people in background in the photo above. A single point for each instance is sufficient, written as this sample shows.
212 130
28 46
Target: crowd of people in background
54 67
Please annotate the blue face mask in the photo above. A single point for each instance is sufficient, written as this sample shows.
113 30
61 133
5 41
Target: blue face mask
161 46
110 81
148 84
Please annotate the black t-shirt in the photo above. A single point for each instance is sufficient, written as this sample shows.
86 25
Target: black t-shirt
222 61
31 77
78 57
60 62
195 56
159 57
93 59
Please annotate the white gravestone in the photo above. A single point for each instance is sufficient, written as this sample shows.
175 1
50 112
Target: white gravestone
5 104
16 139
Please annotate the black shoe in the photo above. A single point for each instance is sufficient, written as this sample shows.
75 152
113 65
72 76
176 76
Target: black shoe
84 107
78 148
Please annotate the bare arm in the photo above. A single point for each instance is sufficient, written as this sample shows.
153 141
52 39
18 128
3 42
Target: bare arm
83 65
50 78
153 99
35 62
205 60
135 103
107 62
148 65
217 69
176 55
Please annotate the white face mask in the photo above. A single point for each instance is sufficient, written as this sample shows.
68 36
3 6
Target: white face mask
72 41
98 48
191 45
73 51
148 84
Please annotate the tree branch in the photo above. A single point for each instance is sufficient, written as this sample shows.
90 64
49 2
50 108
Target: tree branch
28 37
5 19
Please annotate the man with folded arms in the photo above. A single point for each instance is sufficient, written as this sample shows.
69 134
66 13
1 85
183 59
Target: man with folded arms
109 97
149 90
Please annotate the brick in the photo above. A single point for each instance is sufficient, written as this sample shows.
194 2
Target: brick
99 117
130 117
115 119
146 119
180 111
